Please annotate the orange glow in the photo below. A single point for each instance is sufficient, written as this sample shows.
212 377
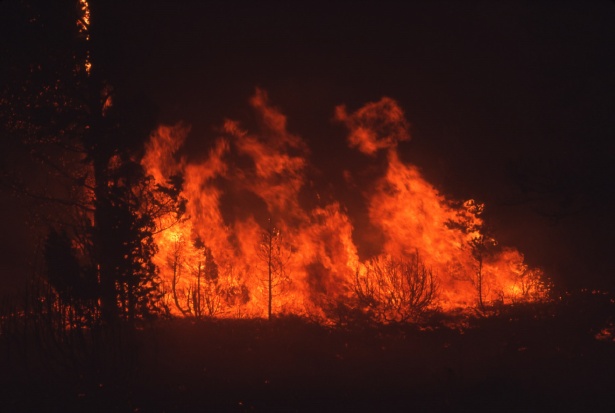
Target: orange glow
212 264
83 25
84 22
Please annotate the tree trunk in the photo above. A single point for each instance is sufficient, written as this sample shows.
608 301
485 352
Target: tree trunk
270 272
479 284
103 244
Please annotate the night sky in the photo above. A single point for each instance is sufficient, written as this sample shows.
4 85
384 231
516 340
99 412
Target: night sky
510 103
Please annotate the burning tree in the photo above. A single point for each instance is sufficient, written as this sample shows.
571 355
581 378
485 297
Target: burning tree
175 261
274 254
206 292
481 244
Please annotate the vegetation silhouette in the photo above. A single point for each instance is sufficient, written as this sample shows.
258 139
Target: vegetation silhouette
63 118
522 356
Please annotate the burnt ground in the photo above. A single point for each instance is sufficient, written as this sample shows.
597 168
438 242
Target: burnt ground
521 359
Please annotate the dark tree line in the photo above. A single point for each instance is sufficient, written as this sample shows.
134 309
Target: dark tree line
62 117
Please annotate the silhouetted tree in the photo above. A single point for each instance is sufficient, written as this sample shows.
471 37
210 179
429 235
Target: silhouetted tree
74 284
176 261
63 118
64 272
482 247
208 293
479 241
274 254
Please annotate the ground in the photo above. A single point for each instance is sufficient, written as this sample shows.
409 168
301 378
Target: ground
524 359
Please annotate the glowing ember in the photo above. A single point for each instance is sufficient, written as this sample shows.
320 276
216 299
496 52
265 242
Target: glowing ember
248 246
83 25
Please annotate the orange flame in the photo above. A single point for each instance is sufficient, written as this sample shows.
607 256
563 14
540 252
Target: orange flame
248 189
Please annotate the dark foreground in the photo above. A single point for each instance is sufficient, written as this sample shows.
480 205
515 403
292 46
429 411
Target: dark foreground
533 359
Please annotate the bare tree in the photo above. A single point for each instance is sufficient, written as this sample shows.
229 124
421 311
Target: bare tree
480 246
273 252
396 290
175 261
206 293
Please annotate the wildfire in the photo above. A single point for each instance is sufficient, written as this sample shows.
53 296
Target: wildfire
249 247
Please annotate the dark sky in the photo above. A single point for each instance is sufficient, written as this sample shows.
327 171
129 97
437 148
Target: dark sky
510 103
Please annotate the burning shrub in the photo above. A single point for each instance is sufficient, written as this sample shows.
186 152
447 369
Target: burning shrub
392 290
